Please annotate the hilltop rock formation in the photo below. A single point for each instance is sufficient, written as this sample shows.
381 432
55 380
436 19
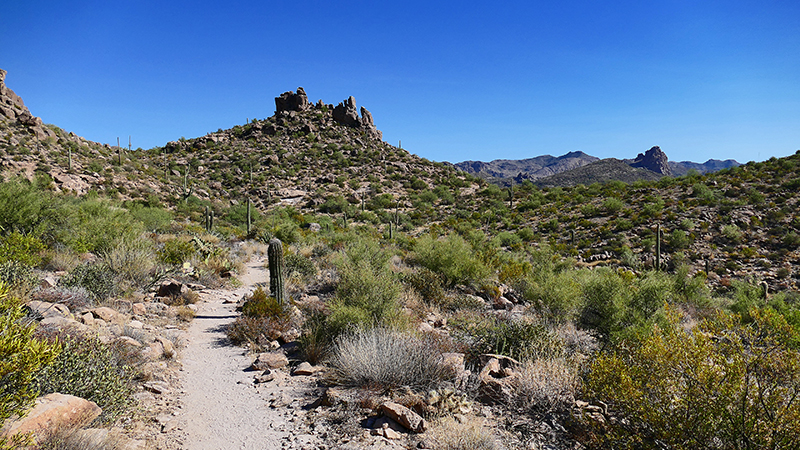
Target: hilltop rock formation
654 160
345 113
289 101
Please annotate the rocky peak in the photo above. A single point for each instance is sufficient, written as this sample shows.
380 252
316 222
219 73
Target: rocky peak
654 160
289 101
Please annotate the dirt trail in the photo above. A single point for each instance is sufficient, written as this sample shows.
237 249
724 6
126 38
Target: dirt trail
220 407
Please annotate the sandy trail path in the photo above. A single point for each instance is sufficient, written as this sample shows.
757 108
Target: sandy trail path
220 407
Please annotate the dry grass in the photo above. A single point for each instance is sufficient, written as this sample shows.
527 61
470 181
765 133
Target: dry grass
383 358
468 434
546 385
65 438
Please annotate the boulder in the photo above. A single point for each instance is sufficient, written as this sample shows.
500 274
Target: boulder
404 416
304 368
171 288
106 313
270 360
289 101
52 412
47 309
138 309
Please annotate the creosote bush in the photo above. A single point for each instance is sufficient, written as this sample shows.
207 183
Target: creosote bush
452 257
381 358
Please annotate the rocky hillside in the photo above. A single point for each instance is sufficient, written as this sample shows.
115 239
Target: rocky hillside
602 171
681 168
303 155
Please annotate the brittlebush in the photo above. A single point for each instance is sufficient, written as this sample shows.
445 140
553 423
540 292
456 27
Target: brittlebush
721 385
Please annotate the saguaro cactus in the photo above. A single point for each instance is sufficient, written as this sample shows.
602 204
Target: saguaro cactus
275 258
658 247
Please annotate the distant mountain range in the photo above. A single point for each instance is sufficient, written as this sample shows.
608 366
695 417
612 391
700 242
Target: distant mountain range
578 167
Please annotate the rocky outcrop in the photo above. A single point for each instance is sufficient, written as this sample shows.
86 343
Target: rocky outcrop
654 160
51 412
291 101
13 109
346 113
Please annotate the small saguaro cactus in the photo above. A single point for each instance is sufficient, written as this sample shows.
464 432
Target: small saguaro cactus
658 247
275 258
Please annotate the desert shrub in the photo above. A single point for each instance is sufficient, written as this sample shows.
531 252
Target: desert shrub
21 355
26 209
519 339
297 263
259 304
721 385
367 293
20 247
257 332
678 240
384 359
69 438
428 284
544 386
96 278
132 263
468 434
18 276
96 225
556 295
90 369
152 218
732 233
176 251
452 257
612 205
263 320
315 339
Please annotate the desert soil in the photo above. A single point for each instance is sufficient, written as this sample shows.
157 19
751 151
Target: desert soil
219 405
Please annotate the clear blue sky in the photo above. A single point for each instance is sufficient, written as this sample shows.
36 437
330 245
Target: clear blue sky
453 80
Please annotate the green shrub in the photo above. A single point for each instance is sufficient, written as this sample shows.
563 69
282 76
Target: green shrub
97 226
92 370
297 263
176 251
26 209
368 292
21 355
18 276
452 257
428 284
721 385
519 339
261 305
96 278
20 247
382 358
132 264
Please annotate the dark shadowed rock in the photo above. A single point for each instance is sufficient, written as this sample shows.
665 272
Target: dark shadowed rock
346 113
290 101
